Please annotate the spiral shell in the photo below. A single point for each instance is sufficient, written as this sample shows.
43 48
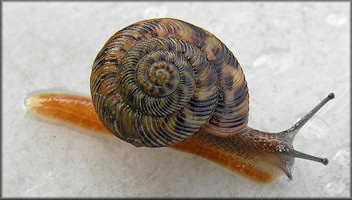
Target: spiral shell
158 82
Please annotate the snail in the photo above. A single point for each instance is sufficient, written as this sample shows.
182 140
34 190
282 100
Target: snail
167 83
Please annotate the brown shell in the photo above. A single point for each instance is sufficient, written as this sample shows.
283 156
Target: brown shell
158 82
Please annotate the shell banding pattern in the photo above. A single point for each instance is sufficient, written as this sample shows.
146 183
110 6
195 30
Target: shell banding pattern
158 82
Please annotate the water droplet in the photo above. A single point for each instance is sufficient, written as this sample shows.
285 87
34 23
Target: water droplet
216 27
282 22
316 128
336 186
261 60
276 61
336 19
342 156
155 11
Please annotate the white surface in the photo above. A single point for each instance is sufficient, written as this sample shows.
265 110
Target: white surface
293 55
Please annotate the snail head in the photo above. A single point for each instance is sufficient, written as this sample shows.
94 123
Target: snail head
285 148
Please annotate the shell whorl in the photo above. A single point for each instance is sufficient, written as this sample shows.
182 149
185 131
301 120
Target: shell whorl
158 82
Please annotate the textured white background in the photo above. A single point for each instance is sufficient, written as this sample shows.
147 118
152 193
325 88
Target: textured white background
293 55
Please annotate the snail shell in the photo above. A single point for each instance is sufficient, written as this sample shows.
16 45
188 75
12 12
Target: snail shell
158 82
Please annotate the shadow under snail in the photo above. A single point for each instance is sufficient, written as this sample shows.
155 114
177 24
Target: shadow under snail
167 83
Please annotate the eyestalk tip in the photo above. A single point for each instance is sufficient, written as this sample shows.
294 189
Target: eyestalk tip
325 161
331 95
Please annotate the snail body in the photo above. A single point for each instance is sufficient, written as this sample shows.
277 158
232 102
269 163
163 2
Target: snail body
167 83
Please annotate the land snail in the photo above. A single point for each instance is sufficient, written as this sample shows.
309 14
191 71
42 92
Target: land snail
167 83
